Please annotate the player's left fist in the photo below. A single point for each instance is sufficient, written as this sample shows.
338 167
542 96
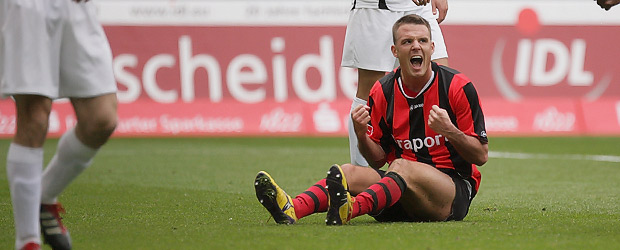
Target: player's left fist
439 120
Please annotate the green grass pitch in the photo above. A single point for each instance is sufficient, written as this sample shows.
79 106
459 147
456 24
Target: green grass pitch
197 193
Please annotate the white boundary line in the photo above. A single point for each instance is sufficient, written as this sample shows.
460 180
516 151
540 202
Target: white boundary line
576 157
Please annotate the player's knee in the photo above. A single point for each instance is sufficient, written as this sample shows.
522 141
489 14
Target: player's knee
32 127
398 165
100 127
353 179
107 126
359 178
32 133
352 171
36 124
404 168
348 169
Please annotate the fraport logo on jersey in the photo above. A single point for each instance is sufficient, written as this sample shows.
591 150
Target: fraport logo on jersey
533 67
418 143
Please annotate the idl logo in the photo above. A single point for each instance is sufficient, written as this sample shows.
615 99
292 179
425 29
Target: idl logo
544 63
532 57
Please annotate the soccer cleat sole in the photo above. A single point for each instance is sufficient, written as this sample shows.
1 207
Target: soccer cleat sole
266 192
339 211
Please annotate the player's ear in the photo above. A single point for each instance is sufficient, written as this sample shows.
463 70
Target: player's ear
394 51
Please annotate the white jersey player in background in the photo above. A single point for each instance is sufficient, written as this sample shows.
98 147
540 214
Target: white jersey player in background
52 49
368 40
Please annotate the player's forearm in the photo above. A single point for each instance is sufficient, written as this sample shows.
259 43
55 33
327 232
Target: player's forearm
372 152
469 147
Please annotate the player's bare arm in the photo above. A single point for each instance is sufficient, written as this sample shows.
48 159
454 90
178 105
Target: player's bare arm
469 147
441 6
374 154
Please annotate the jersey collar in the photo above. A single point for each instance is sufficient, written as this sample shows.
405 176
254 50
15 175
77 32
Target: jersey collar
402 89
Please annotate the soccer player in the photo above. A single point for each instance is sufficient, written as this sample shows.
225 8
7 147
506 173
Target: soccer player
425 121
367 45
52 49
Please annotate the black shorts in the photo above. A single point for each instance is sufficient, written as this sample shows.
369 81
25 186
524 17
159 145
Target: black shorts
460 205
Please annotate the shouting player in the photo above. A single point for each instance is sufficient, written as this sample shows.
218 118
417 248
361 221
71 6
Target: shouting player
367 46
52 49
425 121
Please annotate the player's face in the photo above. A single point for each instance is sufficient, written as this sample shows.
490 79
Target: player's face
413 49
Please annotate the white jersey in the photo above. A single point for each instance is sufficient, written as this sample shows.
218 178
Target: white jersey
393 5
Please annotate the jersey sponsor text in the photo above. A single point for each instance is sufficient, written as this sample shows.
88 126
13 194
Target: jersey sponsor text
418 143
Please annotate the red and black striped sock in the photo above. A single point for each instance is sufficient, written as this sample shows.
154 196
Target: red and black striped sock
313 200
380 195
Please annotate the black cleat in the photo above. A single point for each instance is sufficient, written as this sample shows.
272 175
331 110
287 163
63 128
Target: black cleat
54 232
340 201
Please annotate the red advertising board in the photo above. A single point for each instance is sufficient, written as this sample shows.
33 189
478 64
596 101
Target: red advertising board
191 75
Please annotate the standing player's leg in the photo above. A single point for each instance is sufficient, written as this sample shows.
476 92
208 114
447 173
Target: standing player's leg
96 120
85 73
29 73
366 79
24 165
85 63
366 47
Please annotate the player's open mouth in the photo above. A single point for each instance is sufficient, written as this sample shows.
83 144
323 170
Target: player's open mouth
416 61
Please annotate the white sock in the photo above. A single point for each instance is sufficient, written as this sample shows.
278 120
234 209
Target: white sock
23 167
71 158
356 156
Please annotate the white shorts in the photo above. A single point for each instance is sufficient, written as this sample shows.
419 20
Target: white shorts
53 48
368 38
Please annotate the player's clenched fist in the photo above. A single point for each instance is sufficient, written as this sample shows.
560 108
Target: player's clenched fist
360 117
439 120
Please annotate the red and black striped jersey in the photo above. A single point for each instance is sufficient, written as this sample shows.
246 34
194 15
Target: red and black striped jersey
399 122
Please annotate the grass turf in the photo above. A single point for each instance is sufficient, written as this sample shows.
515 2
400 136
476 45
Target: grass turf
197 193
